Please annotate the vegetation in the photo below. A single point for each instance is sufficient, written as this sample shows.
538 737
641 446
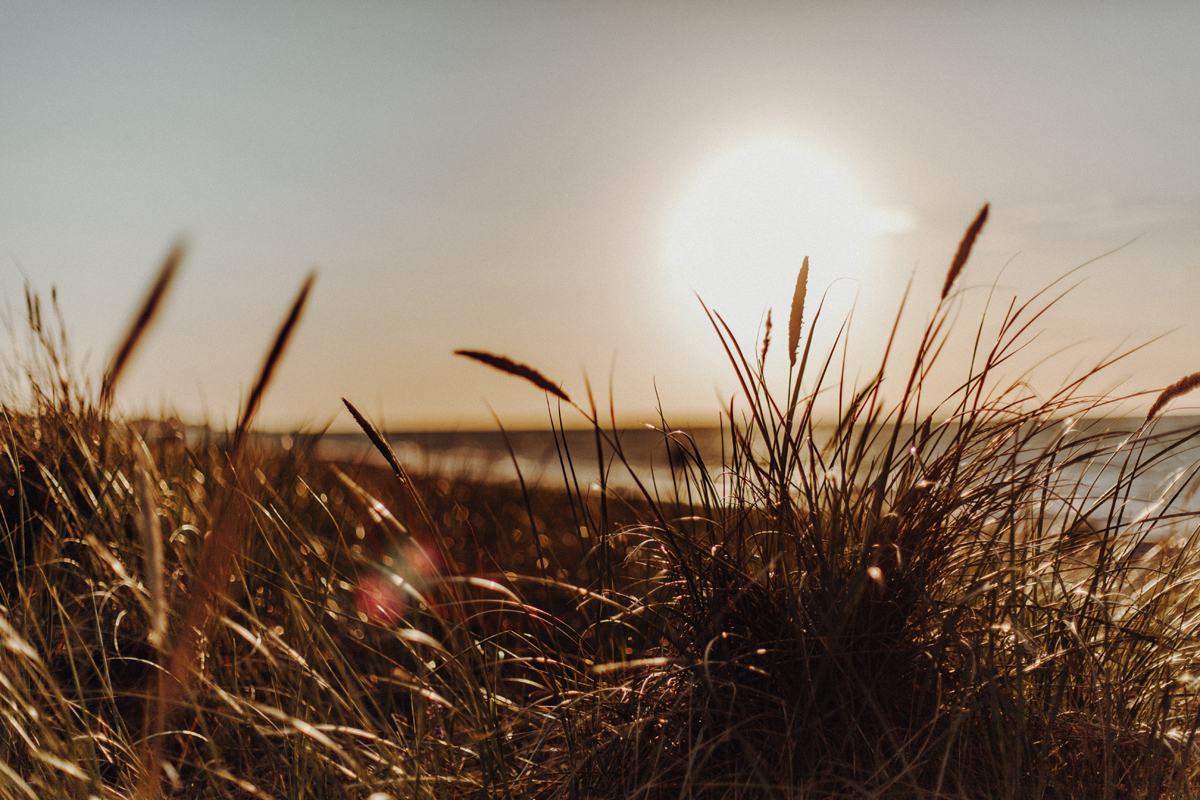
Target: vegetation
926 600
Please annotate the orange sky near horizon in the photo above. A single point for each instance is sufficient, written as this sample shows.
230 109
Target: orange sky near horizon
554 182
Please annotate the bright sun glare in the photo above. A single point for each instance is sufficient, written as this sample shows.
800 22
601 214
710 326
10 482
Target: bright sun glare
744 224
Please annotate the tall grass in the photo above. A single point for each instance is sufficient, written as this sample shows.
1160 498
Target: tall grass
911 598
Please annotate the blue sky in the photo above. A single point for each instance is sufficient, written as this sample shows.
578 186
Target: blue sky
505 176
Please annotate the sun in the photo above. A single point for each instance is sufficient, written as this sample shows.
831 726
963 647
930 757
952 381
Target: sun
744 223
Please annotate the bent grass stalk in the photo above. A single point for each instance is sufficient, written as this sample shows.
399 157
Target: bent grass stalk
217 559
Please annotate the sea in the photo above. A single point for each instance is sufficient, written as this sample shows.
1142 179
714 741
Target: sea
1157 466
1153 467
541 458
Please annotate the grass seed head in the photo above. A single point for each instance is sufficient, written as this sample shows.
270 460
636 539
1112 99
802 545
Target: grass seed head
766 344
964 250
141 322
796 320
1176 389
505 364
274 355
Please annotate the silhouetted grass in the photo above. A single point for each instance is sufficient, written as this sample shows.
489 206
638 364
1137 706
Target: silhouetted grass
912 599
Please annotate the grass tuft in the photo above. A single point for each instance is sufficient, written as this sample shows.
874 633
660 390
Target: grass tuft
957 598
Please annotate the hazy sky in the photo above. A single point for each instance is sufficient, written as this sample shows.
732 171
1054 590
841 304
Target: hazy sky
547 180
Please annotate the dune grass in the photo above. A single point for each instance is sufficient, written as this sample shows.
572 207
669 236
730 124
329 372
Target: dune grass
914 598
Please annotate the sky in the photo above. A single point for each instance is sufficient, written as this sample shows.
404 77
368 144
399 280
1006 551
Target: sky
556 182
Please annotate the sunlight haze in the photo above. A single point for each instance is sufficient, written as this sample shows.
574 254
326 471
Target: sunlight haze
754 212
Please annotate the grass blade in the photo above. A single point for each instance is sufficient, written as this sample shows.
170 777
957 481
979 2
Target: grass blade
152 547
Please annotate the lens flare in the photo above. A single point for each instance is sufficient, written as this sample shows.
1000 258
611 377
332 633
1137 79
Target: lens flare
404 573
380 599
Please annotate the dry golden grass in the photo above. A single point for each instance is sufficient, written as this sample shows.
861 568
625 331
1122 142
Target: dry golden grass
911 602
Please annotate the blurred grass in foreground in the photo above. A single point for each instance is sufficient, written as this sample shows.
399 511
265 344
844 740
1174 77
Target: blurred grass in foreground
919 602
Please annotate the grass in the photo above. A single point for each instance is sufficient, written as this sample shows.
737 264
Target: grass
915 598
